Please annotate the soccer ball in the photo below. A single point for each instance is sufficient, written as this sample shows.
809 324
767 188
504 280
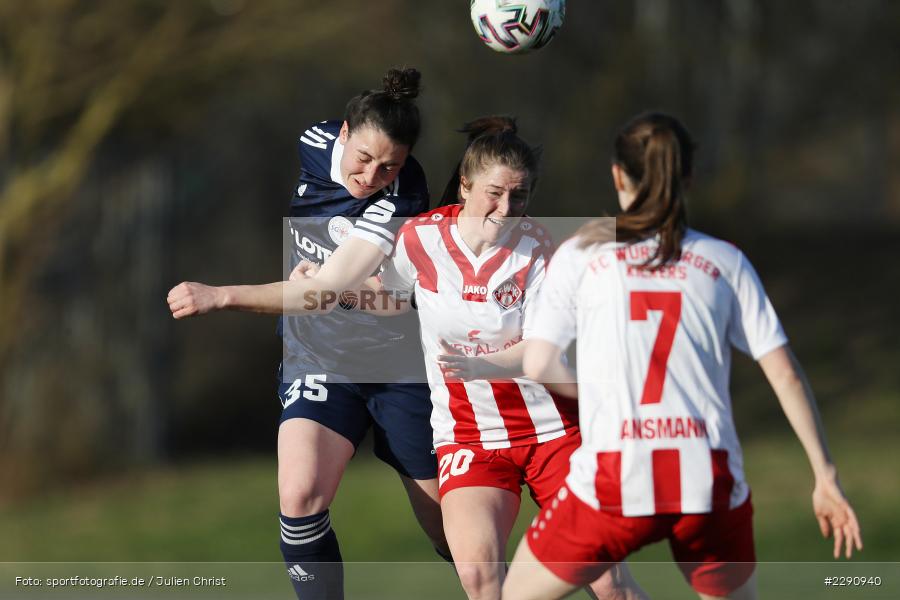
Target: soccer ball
516 26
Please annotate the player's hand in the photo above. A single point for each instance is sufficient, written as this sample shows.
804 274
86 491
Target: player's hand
188 299
304 270
457 367
836 516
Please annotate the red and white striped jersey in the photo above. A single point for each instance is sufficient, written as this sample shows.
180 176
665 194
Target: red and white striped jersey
477 305
653 363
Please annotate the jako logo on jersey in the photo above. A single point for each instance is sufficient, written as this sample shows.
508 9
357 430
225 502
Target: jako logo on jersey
507 294
298 574
473 335
339 229
475 293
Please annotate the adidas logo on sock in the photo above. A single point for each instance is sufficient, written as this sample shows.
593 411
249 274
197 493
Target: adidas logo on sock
298 574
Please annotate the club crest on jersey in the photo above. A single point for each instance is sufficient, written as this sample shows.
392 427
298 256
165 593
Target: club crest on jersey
507 293
339 229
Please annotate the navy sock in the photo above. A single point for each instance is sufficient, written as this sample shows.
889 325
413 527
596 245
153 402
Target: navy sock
313 558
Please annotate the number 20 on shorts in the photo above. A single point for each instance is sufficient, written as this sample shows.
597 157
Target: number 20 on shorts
455 463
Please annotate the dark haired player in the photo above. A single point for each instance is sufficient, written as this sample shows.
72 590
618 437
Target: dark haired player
357 178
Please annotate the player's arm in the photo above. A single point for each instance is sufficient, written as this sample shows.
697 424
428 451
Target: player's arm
833 511
373 298
349 266
756 330
543 362
371 295
510 363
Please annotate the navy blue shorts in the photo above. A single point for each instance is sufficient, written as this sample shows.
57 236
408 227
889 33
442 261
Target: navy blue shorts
399 414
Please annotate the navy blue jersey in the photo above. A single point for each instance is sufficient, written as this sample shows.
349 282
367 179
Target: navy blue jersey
348 345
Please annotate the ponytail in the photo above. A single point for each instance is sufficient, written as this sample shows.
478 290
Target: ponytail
400 85
656 152
491 140
492 125
391 110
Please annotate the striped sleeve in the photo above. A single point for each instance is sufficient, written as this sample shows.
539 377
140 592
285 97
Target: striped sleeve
399 273
317 137
406 196
379 224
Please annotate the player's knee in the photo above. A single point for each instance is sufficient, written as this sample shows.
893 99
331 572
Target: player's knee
301 500
479 579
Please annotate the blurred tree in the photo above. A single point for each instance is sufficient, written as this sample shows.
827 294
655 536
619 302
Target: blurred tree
70 72
70 69
136 137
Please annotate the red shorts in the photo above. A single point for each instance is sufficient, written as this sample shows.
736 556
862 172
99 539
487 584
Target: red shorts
577 543
543 467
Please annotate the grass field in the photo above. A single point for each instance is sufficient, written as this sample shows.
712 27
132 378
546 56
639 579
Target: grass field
225 512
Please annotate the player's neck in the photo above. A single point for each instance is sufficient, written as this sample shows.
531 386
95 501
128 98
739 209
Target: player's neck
471 230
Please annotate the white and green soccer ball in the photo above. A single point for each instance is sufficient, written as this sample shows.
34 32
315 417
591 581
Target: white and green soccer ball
516 26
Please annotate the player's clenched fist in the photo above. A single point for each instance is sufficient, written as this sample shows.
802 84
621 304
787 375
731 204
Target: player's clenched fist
189 298
304 270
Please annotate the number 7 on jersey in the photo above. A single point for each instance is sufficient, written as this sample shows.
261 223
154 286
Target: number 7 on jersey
670 305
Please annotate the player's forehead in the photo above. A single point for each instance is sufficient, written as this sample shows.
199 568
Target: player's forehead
371 141
499 176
